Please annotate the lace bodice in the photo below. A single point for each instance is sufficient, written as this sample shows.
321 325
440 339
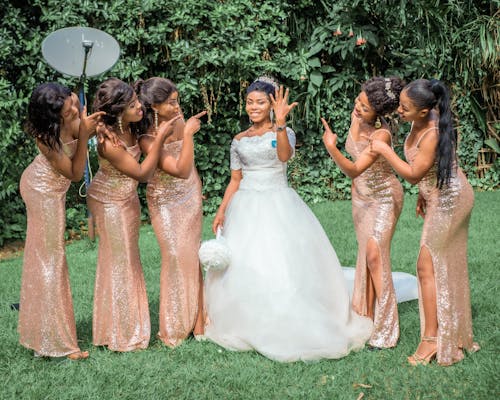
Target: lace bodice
257 158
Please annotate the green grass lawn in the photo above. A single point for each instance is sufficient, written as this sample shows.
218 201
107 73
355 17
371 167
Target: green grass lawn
202 370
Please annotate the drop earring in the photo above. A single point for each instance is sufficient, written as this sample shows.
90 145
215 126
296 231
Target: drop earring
120 126
156 120
271 115
377 123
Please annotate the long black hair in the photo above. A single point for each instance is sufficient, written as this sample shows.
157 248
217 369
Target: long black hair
154 90
44 113
425 93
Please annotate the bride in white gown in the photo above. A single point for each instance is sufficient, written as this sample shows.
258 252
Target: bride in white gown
284 294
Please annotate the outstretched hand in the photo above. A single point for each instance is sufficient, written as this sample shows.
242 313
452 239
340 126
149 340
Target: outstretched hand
329 138
193 124
280 104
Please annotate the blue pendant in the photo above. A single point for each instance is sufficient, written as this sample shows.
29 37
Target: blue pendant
273 143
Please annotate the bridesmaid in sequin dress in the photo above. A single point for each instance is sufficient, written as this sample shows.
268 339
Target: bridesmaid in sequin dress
121 313
175 206
445 202
377 199
46 318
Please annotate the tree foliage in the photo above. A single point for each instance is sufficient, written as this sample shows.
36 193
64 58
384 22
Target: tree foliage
213 49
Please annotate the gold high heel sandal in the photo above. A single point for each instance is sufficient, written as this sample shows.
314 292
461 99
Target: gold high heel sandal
417 359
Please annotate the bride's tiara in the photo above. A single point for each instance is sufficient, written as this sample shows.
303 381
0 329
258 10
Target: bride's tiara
268 80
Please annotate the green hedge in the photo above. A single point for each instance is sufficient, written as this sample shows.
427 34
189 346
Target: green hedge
212 49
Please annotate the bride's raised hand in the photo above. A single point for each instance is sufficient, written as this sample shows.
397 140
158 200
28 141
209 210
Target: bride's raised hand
329 138
280 104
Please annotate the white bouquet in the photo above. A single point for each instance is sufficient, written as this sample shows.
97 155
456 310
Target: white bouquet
215 253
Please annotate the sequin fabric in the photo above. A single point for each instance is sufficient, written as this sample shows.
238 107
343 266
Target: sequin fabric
46 318
121 314
444 234
377 199
176 215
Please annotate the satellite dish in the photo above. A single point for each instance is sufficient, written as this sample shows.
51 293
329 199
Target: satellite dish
80 51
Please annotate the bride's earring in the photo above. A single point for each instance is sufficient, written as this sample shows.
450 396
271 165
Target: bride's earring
377 123
271 115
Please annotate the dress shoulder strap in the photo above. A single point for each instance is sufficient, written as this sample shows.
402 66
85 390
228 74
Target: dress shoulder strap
425 133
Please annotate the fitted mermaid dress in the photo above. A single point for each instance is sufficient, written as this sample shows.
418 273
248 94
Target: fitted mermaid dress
444 234
46 318
377 199
176 215
121 312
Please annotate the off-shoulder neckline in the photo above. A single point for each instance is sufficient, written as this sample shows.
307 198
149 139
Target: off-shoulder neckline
253 137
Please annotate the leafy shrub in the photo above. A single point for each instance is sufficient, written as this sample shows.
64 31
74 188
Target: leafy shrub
213 49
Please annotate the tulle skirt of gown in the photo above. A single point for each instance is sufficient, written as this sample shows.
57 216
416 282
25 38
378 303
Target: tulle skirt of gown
284 293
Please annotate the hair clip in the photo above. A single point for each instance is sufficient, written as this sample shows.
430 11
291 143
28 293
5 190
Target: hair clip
388 90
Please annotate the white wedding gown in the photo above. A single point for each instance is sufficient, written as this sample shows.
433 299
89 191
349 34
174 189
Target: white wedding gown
284 294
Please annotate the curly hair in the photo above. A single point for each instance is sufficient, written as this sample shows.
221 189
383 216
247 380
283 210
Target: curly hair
383 93
113 96
429 94
154 90
44 113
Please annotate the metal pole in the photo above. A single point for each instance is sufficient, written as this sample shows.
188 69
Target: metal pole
87 46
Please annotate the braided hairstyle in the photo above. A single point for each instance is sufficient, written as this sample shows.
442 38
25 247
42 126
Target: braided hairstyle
44 113
113 96
154 90
428 94
383 93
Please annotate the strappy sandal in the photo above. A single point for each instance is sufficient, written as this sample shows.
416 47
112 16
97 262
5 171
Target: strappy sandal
417 359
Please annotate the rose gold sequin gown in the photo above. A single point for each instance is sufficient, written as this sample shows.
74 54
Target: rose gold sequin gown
444 234
176 215
377 199
121 313
46 319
